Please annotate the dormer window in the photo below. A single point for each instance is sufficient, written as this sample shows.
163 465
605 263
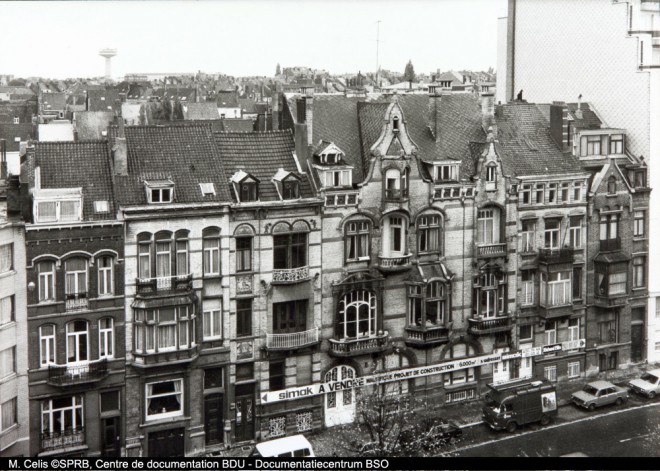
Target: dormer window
395 124
491 174
446 173
16 120
62 205
338 178
290 190
331 159
248 191
159 191
616 144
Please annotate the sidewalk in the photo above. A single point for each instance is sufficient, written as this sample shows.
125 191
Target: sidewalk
336 441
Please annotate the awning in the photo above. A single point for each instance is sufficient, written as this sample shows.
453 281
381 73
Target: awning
153 303
435 270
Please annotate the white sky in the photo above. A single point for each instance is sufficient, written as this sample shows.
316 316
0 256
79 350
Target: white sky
62 39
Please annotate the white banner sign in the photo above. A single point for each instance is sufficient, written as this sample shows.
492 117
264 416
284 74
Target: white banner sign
416 372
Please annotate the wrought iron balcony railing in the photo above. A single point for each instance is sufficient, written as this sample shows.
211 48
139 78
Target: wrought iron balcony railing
292 340
77 373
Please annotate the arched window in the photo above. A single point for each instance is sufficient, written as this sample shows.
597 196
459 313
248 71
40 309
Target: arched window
77 346
491 173
211 251
395 236
356 236
76 278
244 236
164 254
357 315
429 233
46 271
106 338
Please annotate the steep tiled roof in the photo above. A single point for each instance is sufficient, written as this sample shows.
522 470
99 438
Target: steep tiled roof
336 120
10 132
248 105
371 118
82 164
200 111
238 125
92 124
526 145
187 155
227 99
52 101
214 124
586 119
261 154
103 100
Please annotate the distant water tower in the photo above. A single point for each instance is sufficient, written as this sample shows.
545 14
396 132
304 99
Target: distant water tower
108 54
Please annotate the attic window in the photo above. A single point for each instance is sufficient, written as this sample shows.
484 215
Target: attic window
101 207
102 98
491 174
395 124
248 191
207 189
160 191
290 190
446 173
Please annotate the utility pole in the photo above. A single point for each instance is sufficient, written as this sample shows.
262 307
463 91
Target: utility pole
377 46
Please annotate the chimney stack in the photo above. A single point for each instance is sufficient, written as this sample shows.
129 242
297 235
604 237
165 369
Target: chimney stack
488 112
559 124
120 151
309 109
13 196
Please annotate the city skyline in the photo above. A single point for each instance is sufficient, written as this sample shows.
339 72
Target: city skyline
158 36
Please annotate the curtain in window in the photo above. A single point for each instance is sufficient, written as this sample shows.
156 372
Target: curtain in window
177 389
182 258
76 276
6 258
144 268
69 210
163 261
5 310
47 211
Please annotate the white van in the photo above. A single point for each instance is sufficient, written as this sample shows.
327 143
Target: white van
296 446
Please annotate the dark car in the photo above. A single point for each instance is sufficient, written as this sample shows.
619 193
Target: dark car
434 434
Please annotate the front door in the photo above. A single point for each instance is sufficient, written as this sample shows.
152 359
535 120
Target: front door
213 423
637 342
340 405
110 436
244 412
166 443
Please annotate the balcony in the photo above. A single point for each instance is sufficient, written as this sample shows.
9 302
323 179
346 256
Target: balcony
395 195
611 301
65 439
392 264
163 284
491 250
164 357
490 325
293 340
556 256
360 346
429 336
77 373
610 245
76 302
288 276
555 312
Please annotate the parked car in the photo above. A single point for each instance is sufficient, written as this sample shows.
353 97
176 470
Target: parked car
433 434
599 393
648 384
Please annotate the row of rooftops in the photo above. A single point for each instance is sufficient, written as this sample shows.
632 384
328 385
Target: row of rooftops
203 166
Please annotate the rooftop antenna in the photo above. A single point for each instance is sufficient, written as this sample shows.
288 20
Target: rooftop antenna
377 47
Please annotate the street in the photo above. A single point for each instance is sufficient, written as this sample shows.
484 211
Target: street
611 432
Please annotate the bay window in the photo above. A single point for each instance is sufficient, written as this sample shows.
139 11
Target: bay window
164 329
489 295
611 279
556 288
164 399
428 305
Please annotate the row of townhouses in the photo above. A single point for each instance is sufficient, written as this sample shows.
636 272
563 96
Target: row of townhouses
177 283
